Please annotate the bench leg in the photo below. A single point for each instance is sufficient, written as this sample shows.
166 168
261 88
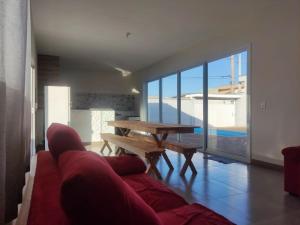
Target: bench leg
188 163
118 151
121 151
105 144
164 154
152 168
103 147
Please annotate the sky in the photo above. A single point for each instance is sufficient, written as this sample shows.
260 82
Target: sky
219 74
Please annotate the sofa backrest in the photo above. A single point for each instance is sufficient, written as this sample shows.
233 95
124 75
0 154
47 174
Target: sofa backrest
92 193
45 207
62 138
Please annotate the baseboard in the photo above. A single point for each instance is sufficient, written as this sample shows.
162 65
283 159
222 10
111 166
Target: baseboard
267 165
230 156
257 161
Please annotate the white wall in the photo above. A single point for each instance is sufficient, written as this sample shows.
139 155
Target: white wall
222 113
91 81
91 123
274 39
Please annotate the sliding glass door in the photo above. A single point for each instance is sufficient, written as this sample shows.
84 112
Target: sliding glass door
153 113
227 106
212 96
191 101
169 99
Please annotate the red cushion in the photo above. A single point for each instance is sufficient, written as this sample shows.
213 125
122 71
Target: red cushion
194 214
45 208
62 138
92 193
292 170
154 193
126 164
292 153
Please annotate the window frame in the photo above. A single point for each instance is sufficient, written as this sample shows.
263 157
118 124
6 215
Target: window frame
204 64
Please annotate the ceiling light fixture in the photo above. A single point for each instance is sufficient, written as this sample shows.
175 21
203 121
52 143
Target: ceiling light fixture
135 91
125 73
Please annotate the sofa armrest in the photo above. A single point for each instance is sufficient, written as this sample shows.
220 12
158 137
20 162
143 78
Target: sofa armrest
126 164
291 153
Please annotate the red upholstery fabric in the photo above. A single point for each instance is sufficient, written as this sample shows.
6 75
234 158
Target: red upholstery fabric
92 193
45 208
292 153
194 214
126 164
154 193
292 170
62 138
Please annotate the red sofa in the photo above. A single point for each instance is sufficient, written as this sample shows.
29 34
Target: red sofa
74 186
292 170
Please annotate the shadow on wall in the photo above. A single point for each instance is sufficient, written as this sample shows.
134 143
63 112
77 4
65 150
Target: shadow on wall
91 123
170 115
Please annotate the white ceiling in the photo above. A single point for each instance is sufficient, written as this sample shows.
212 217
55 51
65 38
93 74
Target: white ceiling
92 33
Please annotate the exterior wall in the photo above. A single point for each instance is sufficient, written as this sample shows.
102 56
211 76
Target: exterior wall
241 111
191 112
222 113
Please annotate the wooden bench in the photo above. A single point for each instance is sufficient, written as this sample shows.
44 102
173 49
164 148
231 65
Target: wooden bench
187 149
148 150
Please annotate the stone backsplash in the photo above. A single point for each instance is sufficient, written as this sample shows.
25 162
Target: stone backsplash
117 102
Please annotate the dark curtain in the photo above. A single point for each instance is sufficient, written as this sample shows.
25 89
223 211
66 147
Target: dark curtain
14 104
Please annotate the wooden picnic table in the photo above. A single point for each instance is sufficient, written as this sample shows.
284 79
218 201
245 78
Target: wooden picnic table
159 132
155 129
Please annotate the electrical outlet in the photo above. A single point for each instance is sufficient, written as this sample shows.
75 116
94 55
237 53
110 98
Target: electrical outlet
263 106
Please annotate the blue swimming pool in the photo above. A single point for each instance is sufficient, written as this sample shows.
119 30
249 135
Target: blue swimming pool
223 133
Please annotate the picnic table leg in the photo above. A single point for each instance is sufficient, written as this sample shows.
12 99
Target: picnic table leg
124 131
188 163
159 142
122 151
164 154
105 144
152 159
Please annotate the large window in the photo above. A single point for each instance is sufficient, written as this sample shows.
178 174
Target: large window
153 101
213 97
169 99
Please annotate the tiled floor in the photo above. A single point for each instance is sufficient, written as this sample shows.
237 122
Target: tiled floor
242 193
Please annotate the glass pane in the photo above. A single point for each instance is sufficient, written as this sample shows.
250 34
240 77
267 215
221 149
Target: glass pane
169 99
153 101
192 103
227 105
